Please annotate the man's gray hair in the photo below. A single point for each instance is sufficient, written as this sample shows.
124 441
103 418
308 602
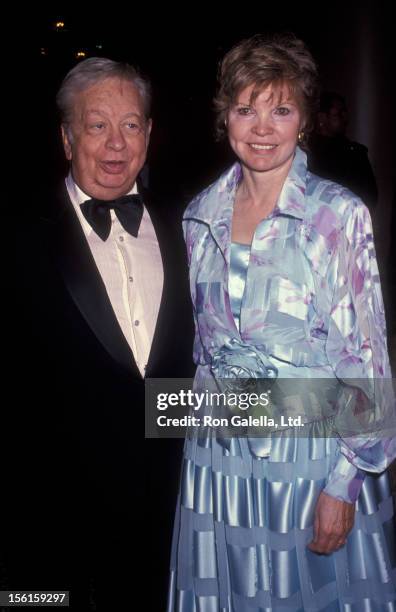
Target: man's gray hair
93 70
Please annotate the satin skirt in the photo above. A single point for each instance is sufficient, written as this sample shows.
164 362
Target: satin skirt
243 524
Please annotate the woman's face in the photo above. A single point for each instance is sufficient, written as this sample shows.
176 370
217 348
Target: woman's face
264 133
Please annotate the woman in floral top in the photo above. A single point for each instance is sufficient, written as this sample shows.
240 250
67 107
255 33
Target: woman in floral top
284 283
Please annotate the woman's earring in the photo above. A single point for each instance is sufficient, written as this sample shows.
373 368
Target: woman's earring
301 135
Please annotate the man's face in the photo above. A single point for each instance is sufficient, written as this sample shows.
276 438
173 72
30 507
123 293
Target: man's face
107 139
337 118
335 121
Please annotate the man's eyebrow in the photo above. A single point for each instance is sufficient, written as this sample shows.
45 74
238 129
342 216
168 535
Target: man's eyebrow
132 114
94 111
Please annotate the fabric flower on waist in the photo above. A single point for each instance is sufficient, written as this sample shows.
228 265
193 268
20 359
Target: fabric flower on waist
243 372
241 361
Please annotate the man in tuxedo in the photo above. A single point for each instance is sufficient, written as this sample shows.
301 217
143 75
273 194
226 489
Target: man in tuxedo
332 155
102 303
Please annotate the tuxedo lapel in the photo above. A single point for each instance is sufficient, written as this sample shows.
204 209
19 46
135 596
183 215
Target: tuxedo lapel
85 285
166 219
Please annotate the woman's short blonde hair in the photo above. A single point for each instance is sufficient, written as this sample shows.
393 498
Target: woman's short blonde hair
280 60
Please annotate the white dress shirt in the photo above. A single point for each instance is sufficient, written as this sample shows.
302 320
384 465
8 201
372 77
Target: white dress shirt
132 272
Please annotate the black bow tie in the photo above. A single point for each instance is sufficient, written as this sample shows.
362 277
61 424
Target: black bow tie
128 209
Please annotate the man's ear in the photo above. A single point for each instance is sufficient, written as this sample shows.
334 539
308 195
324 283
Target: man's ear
66 142
148 129
322 118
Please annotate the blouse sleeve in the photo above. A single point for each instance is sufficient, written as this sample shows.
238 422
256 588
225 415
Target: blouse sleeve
357 351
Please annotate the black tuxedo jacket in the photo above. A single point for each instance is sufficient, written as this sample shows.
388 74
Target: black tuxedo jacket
89 496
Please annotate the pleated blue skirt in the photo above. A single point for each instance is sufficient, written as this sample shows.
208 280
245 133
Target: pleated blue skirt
243 524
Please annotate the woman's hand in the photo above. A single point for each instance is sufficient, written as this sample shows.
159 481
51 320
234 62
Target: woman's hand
333 521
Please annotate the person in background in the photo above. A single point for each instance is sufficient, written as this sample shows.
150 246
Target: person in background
332 155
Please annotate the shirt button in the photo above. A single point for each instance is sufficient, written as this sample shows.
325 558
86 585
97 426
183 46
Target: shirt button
136 322
131 279
121 239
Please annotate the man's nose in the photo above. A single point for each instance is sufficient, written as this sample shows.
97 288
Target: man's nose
116 139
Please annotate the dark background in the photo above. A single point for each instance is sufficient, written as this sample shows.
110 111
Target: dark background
180 51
